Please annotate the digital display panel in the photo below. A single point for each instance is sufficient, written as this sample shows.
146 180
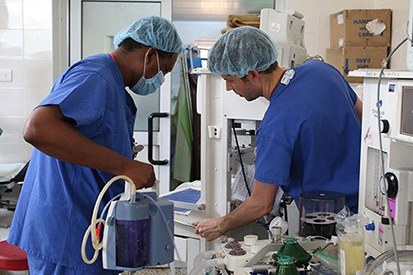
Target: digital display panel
407 111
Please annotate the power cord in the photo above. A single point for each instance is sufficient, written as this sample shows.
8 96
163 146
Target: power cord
407 33
384 65
240 160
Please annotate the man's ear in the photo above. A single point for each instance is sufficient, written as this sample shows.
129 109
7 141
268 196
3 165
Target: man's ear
151 55
253 75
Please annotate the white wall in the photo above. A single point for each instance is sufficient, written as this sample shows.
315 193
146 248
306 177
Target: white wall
26 48
190 30
215 10
317 20
400 18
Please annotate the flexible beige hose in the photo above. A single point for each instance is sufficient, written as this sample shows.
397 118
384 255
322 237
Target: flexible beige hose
95 221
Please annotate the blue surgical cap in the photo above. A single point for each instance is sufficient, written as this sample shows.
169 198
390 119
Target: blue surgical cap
152 31
241 50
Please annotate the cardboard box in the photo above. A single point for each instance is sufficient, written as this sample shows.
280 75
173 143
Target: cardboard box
348 28
347 59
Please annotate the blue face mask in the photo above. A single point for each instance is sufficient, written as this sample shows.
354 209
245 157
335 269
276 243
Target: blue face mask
148 86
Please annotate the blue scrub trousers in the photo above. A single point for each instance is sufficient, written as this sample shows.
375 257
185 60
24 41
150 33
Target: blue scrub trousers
38 266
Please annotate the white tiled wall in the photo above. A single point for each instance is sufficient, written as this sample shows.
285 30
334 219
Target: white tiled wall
26 49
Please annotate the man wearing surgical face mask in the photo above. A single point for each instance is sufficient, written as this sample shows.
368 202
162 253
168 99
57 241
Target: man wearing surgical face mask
143 68
146 86
82 133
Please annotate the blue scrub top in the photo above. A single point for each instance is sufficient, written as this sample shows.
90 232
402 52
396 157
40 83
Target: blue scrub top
56 203
309 138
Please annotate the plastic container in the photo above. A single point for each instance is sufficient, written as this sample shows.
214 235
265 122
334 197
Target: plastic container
317 213
350 231
386 264
132 234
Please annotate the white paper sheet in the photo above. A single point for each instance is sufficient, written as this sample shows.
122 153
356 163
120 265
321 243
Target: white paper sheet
240 192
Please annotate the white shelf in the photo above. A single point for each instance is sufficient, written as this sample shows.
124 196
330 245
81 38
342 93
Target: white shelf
387 74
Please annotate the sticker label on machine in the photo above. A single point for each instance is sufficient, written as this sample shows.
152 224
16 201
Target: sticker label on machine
381 232
275 27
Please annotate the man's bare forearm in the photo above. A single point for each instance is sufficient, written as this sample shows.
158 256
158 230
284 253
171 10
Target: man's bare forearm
259 204
247 213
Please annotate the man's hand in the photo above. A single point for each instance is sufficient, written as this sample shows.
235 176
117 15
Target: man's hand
259 204
141 173
210 229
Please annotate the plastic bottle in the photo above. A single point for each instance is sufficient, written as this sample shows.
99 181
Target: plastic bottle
351 253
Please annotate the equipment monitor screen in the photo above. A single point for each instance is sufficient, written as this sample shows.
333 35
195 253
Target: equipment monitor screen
407 111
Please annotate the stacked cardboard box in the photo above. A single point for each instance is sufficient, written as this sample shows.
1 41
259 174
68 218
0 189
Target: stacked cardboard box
235 21
353 46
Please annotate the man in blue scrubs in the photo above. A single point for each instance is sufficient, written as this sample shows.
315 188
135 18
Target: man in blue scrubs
309 138
82 133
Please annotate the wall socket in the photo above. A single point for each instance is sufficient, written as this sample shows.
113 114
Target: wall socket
5 75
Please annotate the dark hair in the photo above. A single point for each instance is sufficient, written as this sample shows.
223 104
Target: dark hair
269 70
131 45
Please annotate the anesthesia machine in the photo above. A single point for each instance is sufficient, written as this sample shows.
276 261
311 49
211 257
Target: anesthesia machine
396 129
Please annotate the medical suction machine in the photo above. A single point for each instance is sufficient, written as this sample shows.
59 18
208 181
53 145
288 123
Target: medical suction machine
137 232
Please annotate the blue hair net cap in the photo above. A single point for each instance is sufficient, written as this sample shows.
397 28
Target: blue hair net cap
152 31
241 50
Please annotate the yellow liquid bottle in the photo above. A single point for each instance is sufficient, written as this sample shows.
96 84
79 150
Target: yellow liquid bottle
351 254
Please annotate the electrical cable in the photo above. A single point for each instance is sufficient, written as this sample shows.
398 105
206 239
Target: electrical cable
315 238
384 65
285 209
407 33
240 160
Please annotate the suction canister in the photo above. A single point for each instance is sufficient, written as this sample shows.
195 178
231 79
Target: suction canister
136 234
132 234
